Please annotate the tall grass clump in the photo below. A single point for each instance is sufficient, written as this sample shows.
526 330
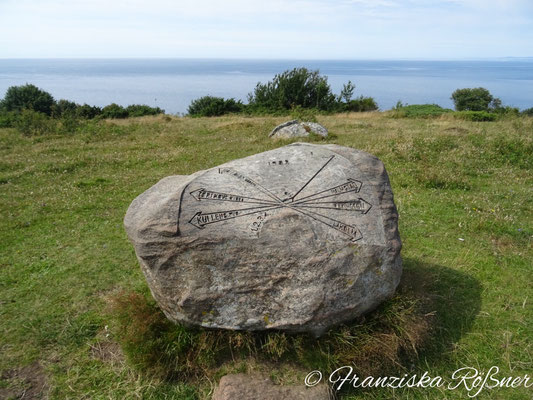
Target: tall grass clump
161 348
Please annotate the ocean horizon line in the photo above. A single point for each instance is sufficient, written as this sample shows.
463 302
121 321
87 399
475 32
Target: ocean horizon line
481 59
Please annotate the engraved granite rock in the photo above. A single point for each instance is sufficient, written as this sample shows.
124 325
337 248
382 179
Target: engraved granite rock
295 128
299 238
246 387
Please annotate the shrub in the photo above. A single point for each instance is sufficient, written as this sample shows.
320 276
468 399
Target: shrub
28 97
30 122
528 112
475 116
114 111
299 87
508 111
419 110
209 106
64 107
88 112
477 99
71 123
304 114
7 119
140 110
361 104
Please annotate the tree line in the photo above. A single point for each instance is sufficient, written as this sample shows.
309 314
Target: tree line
295 91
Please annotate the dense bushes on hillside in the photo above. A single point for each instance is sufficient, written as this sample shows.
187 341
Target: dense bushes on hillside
418 110
476 116
30 97
113 110
360 104
140 110
296 88
27 97
209 106
33 111
528 112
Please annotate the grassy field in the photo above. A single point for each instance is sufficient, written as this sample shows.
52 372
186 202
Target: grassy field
464 194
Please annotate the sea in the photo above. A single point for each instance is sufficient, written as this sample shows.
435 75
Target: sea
172 84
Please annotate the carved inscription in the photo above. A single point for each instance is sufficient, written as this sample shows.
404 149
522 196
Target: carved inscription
329 206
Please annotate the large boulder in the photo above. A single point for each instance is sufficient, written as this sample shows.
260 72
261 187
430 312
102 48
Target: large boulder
299 238
294 128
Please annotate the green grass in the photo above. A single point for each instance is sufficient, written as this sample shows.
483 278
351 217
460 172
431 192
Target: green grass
463 191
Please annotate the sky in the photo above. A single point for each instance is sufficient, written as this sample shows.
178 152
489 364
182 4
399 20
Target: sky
267 29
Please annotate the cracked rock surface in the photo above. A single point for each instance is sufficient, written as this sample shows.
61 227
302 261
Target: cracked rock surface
294 128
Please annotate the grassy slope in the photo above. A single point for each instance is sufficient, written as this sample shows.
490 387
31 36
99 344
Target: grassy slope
63 247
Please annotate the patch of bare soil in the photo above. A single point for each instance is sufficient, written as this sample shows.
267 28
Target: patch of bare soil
26 383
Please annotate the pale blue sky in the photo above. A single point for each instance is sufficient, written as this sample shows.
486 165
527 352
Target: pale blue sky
299 29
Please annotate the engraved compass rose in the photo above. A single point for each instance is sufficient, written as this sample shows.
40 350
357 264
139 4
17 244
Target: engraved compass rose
336 200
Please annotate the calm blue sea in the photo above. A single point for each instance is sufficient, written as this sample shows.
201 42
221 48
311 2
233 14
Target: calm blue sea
172 83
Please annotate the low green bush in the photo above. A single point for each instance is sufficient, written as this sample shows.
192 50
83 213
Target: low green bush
88 112
419 110
361 104
114 111
7 119
64 107
528 112
140 110
31 123
304 114
507 111
475 116
71 123
210 106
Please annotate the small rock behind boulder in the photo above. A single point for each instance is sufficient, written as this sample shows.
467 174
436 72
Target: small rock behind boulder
242 386
295 128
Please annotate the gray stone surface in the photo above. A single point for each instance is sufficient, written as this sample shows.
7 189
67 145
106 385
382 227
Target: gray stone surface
299 238
294 128
246 387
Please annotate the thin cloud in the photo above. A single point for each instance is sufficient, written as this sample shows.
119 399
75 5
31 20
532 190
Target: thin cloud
277 29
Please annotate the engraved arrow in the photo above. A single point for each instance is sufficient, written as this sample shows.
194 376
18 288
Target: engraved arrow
359 205
351 185
349 230
203 194
200 219
311 179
